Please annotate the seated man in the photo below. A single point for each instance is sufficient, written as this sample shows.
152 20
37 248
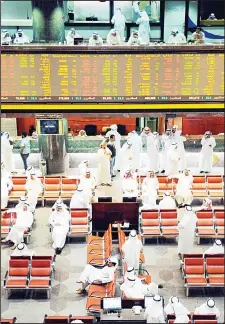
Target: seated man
95 40
24 221
72 34
97 276
183 195
129 185
208 308
59 201
21 38
206 205
88 184
217 248
198 36
113 38
181 313
134 39
82 167
22 250
59 220
167 202
134 288
79 199
150 188
169 309
176 37
154 312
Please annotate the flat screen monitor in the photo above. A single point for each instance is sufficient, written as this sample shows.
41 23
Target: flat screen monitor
129 199
105 213
78 40
104 199
49 127
112 304
149 300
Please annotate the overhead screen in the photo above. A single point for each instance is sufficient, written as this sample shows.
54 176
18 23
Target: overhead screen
112 78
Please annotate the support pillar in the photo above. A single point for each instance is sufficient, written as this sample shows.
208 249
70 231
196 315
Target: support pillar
48 21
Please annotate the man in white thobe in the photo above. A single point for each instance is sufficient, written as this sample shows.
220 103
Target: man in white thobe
113 38
217 248
132 249
206 205
136 142
150 188
176 137
208 308
103 171
6 186
206 155
79 199
95 40
59 220
129 185
59 201
21 38
144 27
186 228
88 184
183 195
126 155
135 39
22 250
34 188
173 158
173 300
176 38
82 167
154 312
136 10
7 152
113 131
181 313
134 288
153 147
144 138
167 202
166 142
97 276
24 221
119 22
72 34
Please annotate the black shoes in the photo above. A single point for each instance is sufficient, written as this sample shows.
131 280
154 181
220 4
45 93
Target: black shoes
201 171
163 171
160 286
58 251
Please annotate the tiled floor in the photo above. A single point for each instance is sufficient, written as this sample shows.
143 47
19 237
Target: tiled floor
161 263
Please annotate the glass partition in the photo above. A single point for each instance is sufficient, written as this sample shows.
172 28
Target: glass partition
90 10
212 13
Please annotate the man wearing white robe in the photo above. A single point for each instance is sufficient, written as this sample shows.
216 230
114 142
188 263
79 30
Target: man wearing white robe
186 228
206 205
144 27
217 248
134 39
173 300
208 308
181 313
113 131
79 199
59 201
72 34
145 134
95 40
154 312
6 186
97 276
183 195
34 188
126 155
134 288
7 153
119 22
103 171
166 142
129 185
24 221
22 250
176 38
208 143
88 184
59 220
136 142
153 147
176 137
150 188
167 202
113 38
82 167
132 249
173 158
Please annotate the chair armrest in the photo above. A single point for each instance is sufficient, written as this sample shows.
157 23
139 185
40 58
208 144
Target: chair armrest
6 274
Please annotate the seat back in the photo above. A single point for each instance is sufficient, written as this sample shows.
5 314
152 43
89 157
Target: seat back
53 180
215 265
150 214
18 268
199 179
19 181
204 214
56 319
40 268
193 266
203 317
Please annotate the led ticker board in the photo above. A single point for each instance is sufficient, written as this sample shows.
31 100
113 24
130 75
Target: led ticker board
112 77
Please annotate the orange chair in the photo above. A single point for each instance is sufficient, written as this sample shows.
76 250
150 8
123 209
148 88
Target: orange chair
169 223
52 188
205 225
165 184
68 187
215 186
219 222
6 222
56 319
93 305
206 321
17 269
8 320
79 226
18 189
150 224
215 271
199 187
204 318
194 273
41 276
199 255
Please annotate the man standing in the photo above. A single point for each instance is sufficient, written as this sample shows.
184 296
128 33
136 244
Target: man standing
206 156
183 190
119 22
112 148
114 131
132 249
153 147
135 140
25 149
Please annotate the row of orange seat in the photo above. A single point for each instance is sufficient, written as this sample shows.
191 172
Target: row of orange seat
203 272
196 319
53 188
163 223
29 273
203 186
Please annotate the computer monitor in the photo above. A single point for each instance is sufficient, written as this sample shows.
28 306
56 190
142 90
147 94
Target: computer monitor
49 126
129 199
78 40
149 299
113 304
104 199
